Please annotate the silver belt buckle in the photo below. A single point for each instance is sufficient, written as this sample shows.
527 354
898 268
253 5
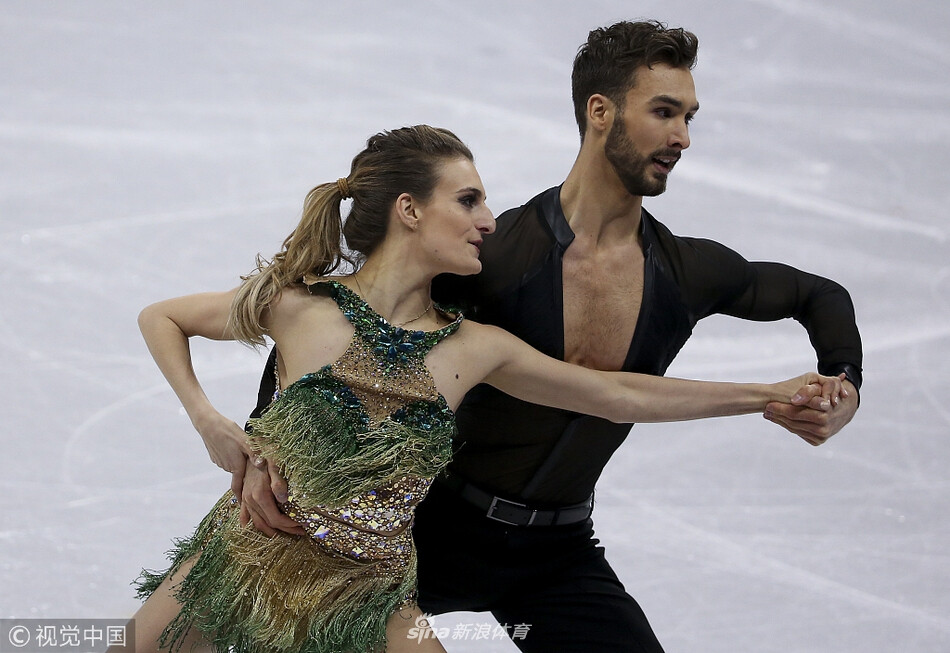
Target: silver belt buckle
494 504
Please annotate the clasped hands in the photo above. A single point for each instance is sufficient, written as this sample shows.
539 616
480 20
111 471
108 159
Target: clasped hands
821 407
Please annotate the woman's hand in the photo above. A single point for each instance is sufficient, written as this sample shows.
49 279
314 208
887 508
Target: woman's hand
817 391
226 442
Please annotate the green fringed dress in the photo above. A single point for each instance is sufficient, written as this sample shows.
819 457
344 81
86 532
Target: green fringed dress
359 441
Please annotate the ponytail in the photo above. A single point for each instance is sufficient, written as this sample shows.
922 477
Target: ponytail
314 247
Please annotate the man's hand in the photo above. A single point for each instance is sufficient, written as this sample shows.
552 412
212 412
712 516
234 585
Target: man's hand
813 424
259 487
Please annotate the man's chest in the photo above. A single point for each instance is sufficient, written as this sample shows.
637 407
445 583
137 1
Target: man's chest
602 296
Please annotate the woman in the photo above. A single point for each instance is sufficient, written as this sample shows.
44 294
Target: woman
369 371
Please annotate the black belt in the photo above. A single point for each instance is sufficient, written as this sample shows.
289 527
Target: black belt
517 514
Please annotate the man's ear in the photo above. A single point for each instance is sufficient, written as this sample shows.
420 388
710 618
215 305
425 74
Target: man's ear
406 209
600 113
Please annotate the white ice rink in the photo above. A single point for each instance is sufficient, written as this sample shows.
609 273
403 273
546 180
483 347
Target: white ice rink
152 149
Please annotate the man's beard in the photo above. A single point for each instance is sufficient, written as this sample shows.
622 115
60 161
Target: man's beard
634 170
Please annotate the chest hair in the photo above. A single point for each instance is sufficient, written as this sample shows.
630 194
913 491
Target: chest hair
603 290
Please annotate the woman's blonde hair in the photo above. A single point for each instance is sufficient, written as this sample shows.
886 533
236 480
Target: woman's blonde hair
404 160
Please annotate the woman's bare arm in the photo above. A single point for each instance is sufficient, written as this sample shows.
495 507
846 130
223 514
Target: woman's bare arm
519 370
166 327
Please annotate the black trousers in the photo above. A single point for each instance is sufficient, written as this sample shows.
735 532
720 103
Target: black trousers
553 579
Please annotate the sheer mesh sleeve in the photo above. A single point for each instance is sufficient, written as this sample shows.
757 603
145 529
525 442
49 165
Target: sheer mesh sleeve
715 279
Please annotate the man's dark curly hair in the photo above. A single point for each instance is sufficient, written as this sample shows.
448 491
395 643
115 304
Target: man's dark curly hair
607 62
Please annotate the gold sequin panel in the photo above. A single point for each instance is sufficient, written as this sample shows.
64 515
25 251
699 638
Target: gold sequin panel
374 526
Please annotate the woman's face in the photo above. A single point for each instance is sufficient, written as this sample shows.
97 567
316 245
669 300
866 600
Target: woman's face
454 220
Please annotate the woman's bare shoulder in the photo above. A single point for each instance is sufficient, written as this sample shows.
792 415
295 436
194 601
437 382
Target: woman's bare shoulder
470 331
482 333
290 298
492 343
296 301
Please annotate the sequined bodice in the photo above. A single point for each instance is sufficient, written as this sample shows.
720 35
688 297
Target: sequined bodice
373 431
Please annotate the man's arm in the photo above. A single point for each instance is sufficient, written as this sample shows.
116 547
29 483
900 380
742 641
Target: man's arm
826 311
775 291
718 280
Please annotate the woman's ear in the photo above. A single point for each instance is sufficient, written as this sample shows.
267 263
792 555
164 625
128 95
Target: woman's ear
406 211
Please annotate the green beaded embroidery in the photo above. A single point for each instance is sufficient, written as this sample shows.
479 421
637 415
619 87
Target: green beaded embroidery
393 345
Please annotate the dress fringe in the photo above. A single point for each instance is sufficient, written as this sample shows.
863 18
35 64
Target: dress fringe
248 593
336 464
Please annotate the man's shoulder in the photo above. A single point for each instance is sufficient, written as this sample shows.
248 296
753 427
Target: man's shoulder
676 245
521 234
704 270
531 214
657 232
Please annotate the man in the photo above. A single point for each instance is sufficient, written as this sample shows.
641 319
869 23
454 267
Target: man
583 273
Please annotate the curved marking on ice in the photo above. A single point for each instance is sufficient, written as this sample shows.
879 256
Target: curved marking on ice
743 559
78 433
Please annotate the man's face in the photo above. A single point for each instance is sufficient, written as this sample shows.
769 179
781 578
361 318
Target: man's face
648 137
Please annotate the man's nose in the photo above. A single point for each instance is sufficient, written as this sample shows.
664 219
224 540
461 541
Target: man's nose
679 137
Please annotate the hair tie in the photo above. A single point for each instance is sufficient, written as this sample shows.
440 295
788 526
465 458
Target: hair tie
343 186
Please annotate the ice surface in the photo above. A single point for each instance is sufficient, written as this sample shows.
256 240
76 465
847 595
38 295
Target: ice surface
151 150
